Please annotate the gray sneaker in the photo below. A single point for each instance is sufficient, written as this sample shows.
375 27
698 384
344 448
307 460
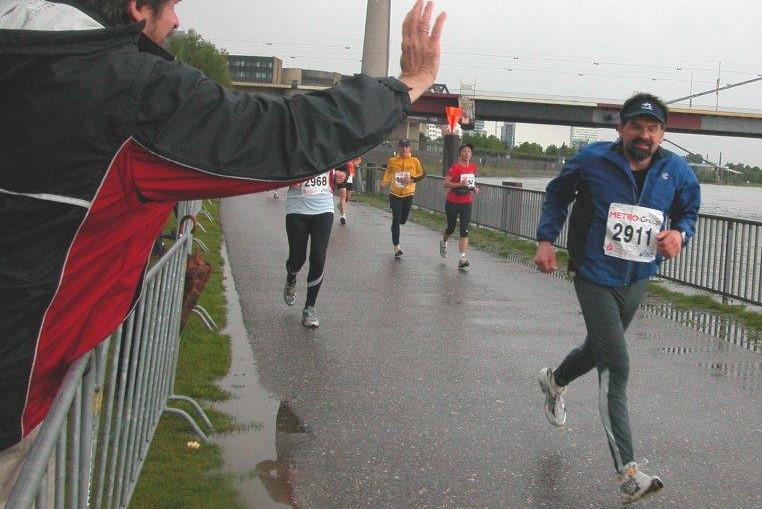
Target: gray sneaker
443 249
309 317
555 408
289 293
634 485
463 263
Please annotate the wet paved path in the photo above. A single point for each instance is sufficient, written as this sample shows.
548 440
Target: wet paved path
419 388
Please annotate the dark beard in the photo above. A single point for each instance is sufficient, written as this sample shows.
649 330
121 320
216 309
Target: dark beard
636 153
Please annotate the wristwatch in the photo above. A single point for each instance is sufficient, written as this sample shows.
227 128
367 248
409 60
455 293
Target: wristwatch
685 238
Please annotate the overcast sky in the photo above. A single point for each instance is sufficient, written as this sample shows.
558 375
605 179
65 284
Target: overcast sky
596 49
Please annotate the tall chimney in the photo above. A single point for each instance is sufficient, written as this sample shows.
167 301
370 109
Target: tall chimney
375 49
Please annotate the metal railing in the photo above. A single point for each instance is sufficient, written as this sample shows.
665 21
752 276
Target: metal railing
724 257
92 445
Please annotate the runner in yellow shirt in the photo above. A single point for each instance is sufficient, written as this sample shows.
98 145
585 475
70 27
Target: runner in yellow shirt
402 172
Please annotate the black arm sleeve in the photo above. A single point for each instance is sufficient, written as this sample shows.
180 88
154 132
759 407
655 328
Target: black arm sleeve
187 118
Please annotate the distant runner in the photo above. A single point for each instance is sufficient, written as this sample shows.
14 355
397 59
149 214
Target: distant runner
346 187
402 172
461 184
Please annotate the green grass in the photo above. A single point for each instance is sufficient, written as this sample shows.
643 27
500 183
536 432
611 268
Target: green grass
502 245
173 475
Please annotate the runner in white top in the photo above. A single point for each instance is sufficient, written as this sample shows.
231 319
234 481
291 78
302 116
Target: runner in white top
309 217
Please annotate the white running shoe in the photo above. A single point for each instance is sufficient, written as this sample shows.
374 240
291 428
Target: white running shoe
555 408
634 485
443 248
397 251
310 318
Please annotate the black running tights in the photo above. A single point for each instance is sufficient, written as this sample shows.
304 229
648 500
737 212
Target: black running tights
300 228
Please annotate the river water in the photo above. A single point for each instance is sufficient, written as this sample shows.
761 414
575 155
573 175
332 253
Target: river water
728 201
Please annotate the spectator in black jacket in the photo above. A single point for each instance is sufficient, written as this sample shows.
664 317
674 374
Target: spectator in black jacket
102 133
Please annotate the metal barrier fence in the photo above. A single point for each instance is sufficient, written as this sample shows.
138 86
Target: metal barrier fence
725 256
92 445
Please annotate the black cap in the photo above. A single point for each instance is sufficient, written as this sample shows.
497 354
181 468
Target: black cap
404 141
644 108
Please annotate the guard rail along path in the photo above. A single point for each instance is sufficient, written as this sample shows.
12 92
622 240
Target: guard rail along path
92 445
724 257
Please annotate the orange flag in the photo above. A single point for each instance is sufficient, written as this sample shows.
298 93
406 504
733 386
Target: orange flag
453 115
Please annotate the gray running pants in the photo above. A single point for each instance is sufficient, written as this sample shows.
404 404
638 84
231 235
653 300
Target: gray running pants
608 312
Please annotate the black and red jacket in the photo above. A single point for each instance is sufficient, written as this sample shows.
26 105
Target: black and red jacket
98 141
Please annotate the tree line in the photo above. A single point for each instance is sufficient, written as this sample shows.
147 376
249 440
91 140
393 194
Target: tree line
495 147
747 174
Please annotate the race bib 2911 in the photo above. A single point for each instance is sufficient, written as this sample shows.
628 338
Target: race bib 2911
631 232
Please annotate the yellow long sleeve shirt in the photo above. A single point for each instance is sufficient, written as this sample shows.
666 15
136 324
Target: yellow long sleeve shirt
396 170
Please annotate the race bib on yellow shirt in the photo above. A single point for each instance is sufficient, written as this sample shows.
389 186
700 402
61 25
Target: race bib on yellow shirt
316 185
400 177
631 232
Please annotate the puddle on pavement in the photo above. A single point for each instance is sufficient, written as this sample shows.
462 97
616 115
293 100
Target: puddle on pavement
259 455
748 376
677 350
717 326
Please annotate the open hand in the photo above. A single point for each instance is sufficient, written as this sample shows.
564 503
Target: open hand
421 49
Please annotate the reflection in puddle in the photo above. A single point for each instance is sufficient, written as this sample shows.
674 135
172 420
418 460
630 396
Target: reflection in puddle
277 475
714 325
749 376
687 349
244 450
